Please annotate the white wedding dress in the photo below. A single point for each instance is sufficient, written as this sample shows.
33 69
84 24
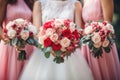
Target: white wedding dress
41 68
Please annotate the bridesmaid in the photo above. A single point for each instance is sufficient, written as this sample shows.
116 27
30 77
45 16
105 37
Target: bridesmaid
107 67
10 67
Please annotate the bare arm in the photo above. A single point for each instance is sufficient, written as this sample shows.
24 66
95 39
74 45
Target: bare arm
108 9
78 14
3 4
37 20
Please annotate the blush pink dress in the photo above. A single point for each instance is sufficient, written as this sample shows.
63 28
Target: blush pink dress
107 67
10 67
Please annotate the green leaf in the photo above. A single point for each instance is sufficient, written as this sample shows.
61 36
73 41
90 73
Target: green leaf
30 41
48 49
14 41
58 60
39 46
107 49
47 54
58 53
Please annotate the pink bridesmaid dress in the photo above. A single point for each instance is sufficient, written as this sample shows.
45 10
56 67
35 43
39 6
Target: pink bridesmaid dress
107 67
10 67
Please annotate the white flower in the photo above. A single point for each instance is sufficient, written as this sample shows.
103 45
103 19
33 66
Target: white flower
65 42
72 26
58 23
110 27
41 39
41 31
32 29
105 43
19 21
9 25
54 37
98 45
49 31
88 30
11 33
96 38
24 34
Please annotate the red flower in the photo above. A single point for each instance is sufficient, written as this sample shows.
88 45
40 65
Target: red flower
5 30
67 22
47 42
105 23
76 34
48 24
56 47
31 33
14 26
67 33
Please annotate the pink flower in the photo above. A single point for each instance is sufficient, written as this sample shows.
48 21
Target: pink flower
58 23
24 34
41 32
98 45
50 31
105 43
88 30
54 37
96 38
65 42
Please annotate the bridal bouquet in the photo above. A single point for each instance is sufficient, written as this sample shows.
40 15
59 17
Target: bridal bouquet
18 33
99 37
60 38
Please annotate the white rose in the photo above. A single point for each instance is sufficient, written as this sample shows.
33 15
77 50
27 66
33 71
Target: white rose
32 29
110 27
24 34
58 23
11 33
41 31
19 21
65 42
49 31
54 37
72 26
41 39
105 43
96 38
88 30
98 45
9 25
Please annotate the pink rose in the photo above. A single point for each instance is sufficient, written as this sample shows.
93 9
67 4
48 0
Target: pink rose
54 37
24 34
105 43
96 38
41 32
50 31
88 30
58 23
65 42
98 45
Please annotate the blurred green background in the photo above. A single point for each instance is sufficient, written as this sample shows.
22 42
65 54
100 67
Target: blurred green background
116 23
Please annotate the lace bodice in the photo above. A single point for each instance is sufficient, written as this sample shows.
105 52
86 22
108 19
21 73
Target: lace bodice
57 9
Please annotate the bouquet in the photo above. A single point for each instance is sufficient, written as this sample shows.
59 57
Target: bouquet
60 38
18 33
99 37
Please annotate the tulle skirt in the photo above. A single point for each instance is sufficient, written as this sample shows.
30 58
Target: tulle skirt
105 68
41 68
10 67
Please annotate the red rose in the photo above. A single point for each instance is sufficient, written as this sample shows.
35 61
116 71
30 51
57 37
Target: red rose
14 26
76 34
31 34
5 30
56 47
104 23
47 42
67 22
67 33
48 24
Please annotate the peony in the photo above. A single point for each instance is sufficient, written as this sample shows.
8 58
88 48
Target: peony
96 38
105 43
32 29
11 33
98 45
65 42
49 31
47 42
54 37
88 30
24 34
72 26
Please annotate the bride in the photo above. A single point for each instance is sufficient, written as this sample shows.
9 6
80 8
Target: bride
41 68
